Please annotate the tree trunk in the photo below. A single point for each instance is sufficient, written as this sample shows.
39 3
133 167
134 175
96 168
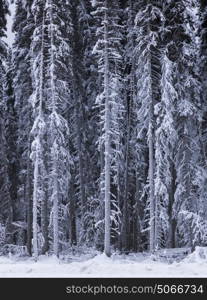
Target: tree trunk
119 206
29 206
44 224
137 229
55 191
55 213
151 167
126 183
35 200
100 232
44 209
72 216
107 169
80 161
172 222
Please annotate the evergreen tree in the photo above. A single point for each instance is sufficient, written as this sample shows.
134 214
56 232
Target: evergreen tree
58 131
11 143
107 50
39 129
5 199
166 139
148 29
23 26
189 156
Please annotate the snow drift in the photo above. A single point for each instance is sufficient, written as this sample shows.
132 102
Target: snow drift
88 265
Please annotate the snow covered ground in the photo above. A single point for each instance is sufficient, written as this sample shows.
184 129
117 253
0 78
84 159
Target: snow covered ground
133 265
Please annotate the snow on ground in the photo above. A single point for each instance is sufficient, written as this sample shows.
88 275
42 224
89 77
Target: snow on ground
132 265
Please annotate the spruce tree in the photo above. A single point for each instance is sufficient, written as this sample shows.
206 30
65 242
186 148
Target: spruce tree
107 49
58 130
23 26
148 30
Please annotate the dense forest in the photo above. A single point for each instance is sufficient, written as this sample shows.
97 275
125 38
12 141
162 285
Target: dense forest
103 125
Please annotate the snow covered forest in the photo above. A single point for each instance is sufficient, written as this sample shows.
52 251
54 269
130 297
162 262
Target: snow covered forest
103 126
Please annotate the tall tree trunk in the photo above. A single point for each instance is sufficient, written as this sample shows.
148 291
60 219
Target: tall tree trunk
55 213
172 222
79 96
137 229
100 236
44 208
151 165
126 185
119 205
55 191
79 123
35 201
44 224
107 167
29 205
72 215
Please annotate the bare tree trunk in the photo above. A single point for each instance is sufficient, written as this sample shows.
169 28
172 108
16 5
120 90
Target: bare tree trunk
79 95
107 167
125 200
55 192
55 213
72 215
124 232
29 205
44 224
172 222
151 166
79 123
119 206
35 201
151 182
100 235
44 212
137 229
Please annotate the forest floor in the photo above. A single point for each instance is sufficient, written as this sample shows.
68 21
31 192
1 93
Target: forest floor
98 265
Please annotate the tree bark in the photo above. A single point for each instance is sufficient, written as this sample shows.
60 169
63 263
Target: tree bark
35 200
107 167
55 213
151 164
44 224
172 222
29 205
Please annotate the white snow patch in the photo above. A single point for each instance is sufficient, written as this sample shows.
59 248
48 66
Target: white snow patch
198 256
121 266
